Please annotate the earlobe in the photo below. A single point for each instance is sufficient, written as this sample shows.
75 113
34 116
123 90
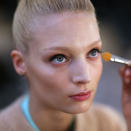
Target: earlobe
18 62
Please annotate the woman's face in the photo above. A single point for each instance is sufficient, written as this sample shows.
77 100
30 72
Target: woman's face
64 64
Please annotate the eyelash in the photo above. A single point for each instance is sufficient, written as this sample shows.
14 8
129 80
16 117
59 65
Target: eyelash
67 59
57 55
95 49
53 57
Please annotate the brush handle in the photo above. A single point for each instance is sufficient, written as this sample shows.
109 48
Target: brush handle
120 60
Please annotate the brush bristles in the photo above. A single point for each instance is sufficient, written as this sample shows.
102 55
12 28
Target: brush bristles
106 56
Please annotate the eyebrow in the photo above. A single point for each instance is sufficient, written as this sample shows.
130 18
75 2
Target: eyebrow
66 48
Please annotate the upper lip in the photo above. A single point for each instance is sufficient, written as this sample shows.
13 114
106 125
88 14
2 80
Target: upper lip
81 93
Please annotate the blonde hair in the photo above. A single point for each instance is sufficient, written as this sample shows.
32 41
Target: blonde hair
29 9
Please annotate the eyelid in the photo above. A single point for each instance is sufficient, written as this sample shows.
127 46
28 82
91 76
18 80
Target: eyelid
52 59
98 53
54 56
98 49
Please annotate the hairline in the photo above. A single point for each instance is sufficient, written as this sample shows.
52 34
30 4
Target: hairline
26 23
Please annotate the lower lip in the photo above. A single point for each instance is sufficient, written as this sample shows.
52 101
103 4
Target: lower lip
81 97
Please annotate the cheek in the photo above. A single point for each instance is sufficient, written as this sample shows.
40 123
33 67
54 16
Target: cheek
55 81
96 72
47 78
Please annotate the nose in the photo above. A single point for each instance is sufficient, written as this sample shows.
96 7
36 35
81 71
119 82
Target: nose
81 72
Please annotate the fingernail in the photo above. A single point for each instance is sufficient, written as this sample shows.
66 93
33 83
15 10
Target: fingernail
127 72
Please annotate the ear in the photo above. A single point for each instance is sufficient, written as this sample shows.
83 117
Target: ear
18 62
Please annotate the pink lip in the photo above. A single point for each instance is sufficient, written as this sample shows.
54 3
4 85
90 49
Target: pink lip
81 96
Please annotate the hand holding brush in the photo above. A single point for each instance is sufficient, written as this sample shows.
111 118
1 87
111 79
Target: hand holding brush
125 73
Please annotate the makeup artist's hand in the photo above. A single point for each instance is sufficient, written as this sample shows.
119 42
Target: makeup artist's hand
125 73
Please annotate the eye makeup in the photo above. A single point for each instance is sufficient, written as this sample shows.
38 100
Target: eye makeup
94 52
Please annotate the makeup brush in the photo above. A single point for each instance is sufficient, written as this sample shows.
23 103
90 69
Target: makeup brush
107 56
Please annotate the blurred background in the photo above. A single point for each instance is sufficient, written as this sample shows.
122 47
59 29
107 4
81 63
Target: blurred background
114 18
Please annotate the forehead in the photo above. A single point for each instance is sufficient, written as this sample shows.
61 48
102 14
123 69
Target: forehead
65 28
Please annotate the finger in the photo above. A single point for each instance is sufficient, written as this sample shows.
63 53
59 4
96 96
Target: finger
127 76
125 71
121 70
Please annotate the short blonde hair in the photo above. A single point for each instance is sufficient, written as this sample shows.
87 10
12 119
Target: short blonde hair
29 9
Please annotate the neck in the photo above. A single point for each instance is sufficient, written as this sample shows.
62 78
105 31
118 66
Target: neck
48 119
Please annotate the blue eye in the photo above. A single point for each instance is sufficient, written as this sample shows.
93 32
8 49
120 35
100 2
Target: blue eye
94 53
58 59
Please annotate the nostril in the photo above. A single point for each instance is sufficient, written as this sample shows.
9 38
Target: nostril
81 79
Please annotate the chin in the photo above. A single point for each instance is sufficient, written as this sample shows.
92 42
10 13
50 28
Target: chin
83 106
80 108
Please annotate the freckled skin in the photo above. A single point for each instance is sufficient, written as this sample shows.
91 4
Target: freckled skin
76 35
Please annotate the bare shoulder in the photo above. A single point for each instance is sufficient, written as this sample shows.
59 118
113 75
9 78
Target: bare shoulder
100 118
108 117
10 115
